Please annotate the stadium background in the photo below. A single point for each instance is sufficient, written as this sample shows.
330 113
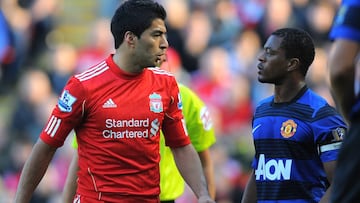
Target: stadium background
215 45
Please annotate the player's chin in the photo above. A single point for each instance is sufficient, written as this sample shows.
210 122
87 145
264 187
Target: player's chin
261 79
152 64
158 62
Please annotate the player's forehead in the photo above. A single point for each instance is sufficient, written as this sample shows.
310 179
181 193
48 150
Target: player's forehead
273 42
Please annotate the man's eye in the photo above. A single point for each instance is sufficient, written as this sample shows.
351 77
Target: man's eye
158 34
269 51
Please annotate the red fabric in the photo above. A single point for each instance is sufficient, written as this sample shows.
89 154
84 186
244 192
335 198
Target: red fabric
117 119
105 198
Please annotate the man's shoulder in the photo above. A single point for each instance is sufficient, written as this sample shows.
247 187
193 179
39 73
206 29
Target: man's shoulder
93 73
319 105
314 99
159 71
351 2
268 99
162 76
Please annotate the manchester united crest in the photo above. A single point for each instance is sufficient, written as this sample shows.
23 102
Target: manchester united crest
288 128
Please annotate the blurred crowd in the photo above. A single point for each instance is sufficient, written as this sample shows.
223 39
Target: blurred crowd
213 49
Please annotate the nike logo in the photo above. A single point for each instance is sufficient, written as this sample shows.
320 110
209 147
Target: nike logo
256 127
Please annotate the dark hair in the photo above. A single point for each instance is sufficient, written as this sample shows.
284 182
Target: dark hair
297 43
135 16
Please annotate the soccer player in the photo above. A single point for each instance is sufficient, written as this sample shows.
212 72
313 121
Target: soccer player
202 135
342 65
117 109
296 133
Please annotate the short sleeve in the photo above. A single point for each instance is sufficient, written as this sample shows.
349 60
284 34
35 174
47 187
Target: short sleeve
173 127
328 133
66 115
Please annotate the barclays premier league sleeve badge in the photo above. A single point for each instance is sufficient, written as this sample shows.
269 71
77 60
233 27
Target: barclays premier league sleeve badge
180 105
156 104
66 101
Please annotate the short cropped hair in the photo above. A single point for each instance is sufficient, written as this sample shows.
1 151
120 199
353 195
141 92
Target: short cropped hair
135 16
297 43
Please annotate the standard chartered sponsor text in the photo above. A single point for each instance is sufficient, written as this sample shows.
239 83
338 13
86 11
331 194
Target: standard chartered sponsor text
110 123
143 124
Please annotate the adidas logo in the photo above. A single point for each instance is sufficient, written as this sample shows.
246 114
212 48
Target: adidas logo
109 104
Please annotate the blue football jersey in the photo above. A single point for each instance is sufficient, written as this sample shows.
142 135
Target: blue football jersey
292 140
346 22
346 25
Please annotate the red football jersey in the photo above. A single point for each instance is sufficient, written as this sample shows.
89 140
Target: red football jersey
117 118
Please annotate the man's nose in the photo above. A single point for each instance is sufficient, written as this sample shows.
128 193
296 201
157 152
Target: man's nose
164 44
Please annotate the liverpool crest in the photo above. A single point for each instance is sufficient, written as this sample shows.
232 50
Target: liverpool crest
156 104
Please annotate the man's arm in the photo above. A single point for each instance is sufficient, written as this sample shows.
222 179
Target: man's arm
250 190
208 169
342 72
329 168
189 165
71 180
34 170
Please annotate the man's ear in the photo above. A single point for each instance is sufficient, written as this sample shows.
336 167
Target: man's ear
293 64
130 38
